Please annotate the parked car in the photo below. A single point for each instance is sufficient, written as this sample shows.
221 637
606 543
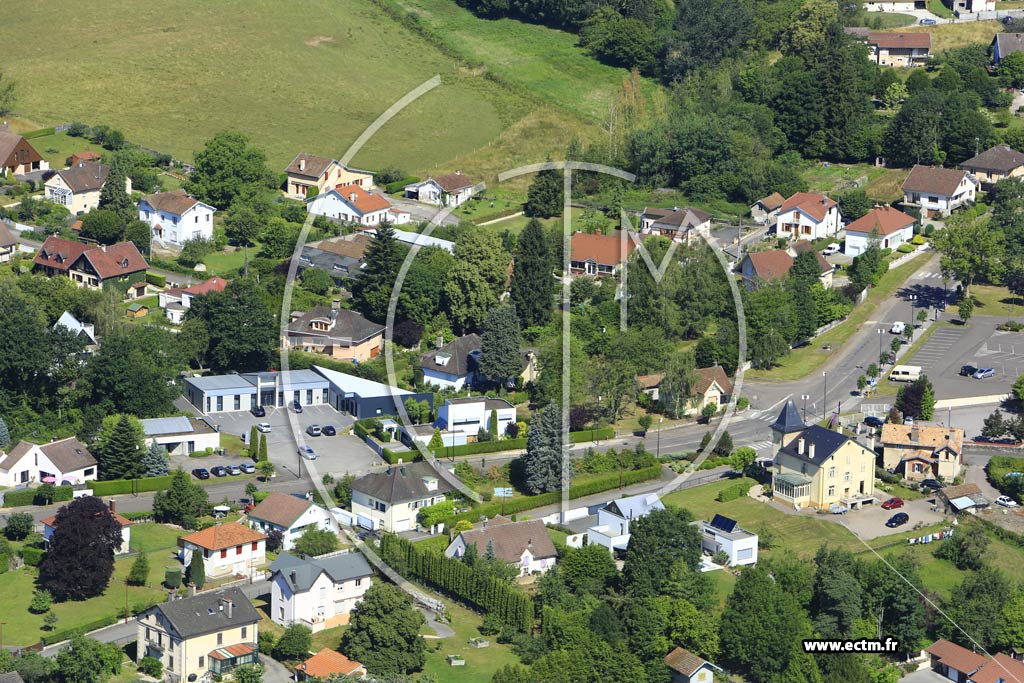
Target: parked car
234 470
967 370
830 249
201 473
1006 502
248 468
296 406
219 471
927 21
899 519
307 452
892 504
248 508
314 430
898 327
328 430
872 421
984 373
258 411
932 484
263 427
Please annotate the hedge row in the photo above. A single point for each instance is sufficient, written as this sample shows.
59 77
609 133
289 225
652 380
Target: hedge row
517 444
69 633
392 458
156 279
391 188
21 498
592 434
605 482
119 486
33 556
41 133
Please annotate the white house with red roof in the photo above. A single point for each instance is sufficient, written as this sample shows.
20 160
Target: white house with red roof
890 226
808 216
227 549
938 191
177 300
599 255
176 217
50 524
453 189
353 204
90 266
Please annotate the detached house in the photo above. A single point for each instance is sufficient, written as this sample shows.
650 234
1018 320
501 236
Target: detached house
995 164
310 175
341 257
758 267
808 216
84 331
353 204
391 500
681 225
712 387
290 515
599 255
181 435
448 190
899 49
1004 44
89 266
938 191
722 534
78 188
318 593
472 413
227 549
18 156
325 664
686 667
453 365
923 451
817 467
891 226
50 525
335 332
955 663
8 244
613 520
766 210
67 461
201 636
525 545
175 217
177 300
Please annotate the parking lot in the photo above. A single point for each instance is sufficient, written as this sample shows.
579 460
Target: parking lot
979 344
869 522
335 454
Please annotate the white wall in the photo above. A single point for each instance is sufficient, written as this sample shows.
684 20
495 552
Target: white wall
232 563
315 517
34 462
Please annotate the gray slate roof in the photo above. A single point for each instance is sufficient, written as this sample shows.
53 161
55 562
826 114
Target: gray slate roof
788 420
87 176
202 613
1001 158
401 483
346 326
301 573
825 441
1009 42
11 677
460 363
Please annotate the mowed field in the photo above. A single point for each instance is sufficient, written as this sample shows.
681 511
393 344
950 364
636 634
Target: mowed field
304 75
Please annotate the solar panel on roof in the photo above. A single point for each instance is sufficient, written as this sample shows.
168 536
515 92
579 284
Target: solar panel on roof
724 523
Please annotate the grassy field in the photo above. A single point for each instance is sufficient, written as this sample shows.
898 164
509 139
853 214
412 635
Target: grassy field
993 300
884 19
801 362
480 663
882 184
949 36
58 147
308 75
939 9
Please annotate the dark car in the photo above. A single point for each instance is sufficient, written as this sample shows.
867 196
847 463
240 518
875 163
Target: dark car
932 484
296 406
892 504
899 519
201 473
328 430
967 370
258 411
219 471
872 421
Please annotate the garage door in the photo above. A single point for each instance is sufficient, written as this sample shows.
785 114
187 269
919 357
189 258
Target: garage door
952 674
745 554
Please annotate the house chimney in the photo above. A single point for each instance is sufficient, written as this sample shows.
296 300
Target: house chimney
231 608
113 505
295 578
810 451
440 340
915 434
335 304
103 247
800 445
484 526
302 164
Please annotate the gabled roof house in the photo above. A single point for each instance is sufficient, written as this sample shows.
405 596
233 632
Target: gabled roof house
453 364
90 266
18 156
527 545
176 217
78 188
938 191
336 332
893 228
292 516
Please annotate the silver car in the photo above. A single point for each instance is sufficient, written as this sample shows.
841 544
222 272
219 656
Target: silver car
307 452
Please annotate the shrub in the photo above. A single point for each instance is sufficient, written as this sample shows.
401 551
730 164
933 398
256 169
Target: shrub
742 403
156 279
151 666
918 239
265 642
905 248
41 602
294 643
721 557
78 130
737 490
33 556
929 230
19 524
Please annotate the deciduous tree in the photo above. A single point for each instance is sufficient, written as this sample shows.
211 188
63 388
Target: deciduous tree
242 332
228 166
656 543
383 632
80 561
86 660
317 542
294 643
970 248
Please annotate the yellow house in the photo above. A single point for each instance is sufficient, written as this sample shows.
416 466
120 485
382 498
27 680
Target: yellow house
310 175
817 467
923 451
199 636
78 188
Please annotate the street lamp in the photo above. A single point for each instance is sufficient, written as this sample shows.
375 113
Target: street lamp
913 298
660 420
880 333
824 397
805 397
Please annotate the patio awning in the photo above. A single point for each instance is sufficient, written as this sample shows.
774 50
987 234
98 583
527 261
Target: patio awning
233 651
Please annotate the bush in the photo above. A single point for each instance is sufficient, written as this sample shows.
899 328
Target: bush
156 279
905 248
13 499
151 666
19 525
265 642
398 185
918 239
122 486
41 602
929 230
733 492
78 130
294 643
33 556
887 477
742 403
721 557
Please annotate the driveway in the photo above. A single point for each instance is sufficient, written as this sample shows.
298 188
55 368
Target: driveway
925 675
274 671
421 211
869 522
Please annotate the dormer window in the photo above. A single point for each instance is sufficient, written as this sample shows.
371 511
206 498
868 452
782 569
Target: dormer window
320 325
442 358
124 263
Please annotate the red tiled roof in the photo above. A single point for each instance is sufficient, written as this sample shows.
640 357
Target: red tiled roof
116 260
885 219
684 661
59 253
280 509
328 663
999 669
900 41
222 536
705 376
800 246
952 655
814 204
453 182
175 202
941 181
51 521
772 201
772 264
603 249
214 284
233 651
86 155
363 201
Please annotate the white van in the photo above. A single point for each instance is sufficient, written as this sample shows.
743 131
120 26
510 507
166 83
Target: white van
898 327
905 373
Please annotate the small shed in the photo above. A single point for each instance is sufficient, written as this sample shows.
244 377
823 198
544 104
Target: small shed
138 311
137 290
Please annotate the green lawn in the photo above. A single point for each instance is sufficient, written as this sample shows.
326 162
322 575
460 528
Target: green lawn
58 147
993 300
480 663
801 362
227 263
251 66
939 9
724 582
148 537
882 20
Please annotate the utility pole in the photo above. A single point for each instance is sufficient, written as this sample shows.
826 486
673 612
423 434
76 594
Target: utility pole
805 397
824 397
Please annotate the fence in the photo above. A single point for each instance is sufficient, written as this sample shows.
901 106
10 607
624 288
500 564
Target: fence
897 262
706 477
